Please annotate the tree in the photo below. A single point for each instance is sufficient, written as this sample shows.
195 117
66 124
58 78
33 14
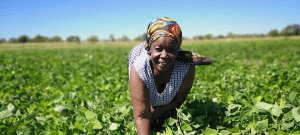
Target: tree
220 36
39 38
230 35
73 39
56 39
199 37
273 33
2 40
185 38
13 40
124 38
23 39
93 39
208 36
291 30
112 37
141 37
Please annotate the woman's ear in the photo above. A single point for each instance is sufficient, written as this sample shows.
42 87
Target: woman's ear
148 52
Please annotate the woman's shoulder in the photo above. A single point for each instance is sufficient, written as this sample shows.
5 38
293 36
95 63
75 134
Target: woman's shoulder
140 62
142 67
135 52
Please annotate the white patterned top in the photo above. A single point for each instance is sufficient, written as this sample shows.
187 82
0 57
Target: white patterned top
140 59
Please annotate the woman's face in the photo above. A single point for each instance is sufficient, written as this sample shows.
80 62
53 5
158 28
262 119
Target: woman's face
163 53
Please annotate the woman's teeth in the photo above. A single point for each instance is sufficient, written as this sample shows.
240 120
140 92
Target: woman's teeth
162 63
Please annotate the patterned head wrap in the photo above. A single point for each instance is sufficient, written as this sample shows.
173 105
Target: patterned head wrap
166 27
162 27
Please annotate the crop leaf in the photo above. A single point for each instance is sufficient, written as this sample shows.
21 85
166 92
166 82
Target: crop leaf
89 127
131 125
186 127
90 115
78 125
296 131
261 126
24 131
18 113
58 99
114 126
42 119
5 114
263 106
292 96
185 117
171 121
31 109
59 108
296 114
228 119
191 133
233 109
287 125
46 103
250 125
10 107
225 132
210 131
287 116
197 126
258 99
246 113
214 100
282 103
168 131
3 127
97 124
200 119
276 110
253 131
234 129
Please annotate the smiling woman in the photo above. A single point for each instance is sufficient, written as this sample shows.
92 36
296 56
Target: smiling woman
160 75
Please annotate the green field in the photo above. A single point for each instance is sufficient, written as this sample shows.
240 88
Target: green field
254 88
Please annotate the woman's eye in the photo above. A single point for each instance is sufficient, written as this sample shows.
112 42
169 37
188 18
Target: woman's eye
157 49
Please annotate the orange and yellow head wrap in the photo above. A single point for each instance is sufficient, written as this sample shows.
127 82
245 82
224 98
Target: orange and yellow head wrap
163 27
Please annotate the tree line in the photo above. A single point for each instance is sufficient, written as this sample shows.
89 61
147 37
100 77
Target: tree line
73 38
290 30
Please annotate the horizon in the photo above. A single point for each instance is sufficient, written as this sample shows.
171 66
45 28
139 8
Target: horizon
102 18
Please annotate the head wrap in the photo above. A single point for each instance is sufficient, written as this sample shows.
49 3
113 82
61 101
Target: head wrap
166 27
163 27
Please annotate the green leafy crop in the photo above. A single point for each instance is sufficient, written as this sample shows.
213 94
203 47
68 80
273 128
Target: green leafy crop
252 89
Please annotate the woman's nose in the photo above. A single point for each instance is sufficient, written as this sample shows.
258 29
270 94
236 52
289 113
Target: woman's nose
163 54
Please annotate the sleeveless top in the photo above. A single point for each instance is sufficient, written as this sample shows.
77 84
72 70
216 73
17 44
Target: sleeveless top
140 59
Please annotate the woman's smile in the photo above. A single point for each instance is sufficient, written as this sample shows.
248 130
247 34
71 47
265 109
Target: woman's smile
162 63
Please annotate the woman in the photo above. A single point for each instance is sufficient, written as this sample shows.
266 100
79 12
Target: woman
160 75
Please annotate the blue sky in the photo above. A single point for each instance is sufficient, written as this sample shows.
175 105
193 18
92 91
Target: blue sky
120 17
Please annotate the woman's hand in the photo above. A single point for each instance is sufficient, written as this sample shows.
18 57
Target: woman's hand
140 102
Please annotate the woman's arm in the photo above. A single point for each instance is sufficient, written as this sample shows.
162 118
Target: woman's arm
140 102
180 96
